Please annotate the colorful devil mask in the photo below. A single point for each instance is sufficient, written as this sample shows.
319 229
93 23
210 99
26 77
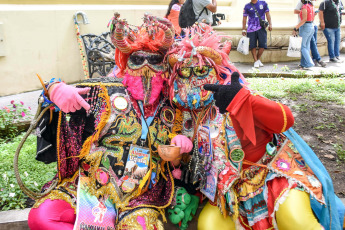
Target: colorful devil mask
140 54
199 59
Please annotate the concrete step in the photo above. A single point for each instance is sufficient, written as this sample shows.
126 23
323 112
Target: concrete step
14 219
18 220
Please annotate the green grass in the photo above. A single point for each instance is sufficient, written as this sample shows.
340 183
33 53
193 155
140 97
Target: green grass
326 89
34 173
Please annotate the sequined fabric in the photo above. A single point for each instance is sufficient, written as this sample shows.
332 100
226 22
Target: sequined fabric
70 143
143 218
158 196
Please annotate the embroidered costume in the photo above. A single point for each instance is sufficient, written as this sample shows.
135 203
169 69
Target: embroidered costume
109 170
246 161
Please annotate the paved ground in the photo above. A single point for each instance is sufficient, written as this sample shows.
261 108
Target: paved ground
291 68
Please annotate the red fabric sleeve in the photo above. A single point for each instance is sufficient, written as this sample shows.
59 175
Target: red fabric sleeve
249 112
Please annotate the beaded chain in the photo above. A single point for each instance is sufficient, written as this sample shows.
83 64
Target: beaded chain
82 52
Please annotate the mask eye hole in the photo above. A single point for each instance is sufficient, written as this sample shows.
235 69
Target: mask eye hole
201 72
155 59
137 59
185 72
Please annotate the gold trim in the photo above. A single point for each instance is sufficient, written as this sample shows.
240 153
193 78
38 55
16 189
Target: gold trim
102 84
58 145
284 115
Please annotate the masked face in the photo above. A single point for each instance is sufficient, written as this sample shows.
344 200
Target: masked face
144 76
188 85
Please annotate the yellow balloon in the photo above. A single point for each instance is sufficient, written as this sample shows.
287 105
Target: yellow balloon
296 213
211 218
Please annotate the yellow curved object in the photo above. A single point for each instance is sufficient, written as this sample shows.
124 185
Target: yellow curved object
296 213
211 218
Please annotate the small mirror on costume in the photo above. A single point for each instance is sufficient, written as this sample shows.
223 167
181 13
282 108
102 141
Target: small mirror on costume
214 131
120 103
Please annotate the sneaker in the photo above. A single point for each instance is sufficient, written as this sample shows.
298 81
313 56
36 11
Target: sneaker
256 64
339 60
335 60
307 68
260 63
320 63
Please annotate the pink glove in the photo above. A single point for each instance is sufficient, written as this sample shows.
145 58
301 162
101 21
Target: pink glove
68 98
184 142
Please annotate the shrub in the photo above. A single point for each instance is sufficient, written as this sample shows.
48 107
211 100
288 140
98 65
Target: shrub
11 116
34 174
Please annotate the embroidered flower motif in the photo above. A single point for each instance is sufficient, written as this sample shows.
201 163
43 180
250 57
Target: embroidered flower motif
299 173
283 165
314 182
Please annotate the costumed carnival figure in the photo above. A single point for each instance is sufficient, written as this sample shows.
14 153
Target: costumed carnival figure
255 170
109 173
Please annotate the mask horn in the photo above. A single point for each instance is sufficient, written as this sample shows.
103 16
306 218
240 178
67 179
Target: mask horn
118 39
211 53
169 33
172 59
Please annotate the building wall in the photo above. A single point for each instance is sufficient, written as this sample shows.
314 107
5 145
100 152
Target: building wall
38 36
42 39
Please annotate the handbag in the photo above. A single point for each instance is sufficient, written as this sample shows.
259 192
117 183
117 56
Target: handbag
243 45
294 49
264 24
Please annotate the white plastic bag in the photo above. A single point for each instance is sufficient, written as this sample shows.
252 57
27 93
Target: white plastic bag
294 49
243 45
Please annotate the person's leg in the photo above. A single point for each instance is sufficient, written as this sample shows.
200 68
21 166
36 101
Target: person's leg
310 36
313 46
260 52
289 217
302 33
329 34
306 32
337 42
262 40
254 54
253 43
52 215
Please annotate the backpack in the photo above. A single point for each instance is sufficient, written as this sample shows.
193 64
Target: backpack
187 16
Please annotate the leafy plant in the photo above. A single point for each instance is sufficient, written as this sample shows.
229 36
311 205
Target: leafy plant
340 151
11 116
34 174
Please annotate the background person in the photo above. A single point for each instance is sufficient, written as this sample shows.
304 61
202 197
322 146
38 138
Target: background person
330 21
306 31
256 34
173 14
313 43
206 6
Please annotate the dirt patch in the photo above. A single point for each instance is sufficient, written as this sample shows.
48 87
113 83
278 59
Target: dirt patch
322 126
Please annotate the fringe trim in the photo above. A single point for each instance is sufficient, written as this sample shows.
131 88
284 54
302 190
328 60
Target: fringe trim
298 183
56 195
259 218
104 119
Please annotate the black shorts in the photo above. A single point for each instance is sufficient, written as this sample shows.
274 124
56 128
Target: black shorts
257 39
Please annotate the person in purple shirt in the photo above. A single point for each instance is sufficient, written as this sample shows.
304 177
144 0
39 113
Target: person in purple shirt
256 34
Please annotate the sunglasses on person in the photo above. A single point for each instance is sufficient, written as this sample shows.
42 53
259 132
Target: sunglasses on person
186 72
139 58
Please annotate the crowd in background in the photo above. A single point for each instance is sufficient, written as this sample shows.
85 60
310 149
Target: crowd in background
257 20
